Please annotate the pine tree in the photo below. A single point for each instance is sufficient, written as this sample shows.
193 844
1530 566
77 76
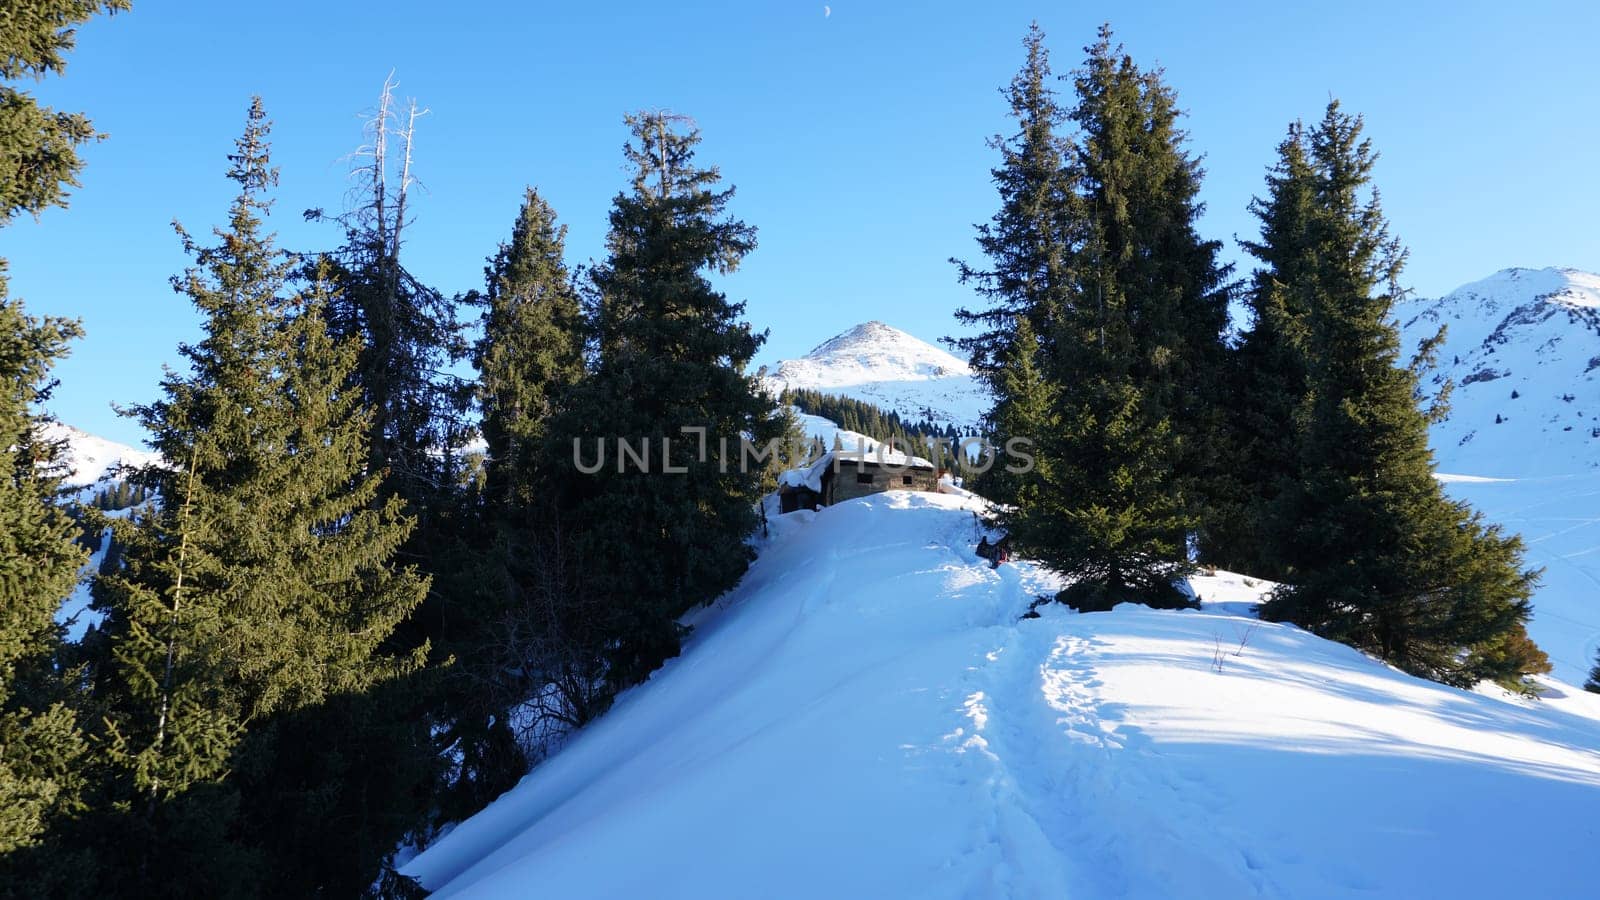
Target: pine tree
41 745
1030 245
1377 556
264 585
531 352
1269 374
1593 684
673 355
406 330
1135 353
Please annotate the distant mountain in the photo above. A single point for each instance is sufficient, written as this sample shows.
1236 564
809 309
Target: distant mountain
1522 441
889 368
1523 349
90 457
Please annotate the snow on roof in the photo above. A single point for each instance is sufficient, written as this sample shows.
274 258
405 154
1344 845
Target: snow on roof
864 449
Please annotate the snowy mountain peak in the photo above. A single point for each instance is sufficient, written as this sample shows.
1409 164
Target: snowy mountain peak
1523 350
91 457
882 365
873 351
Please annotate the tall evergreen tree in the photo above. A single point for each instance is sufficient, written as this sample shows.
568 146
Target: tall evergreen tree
264 585
407 331
1030 246
532 349
1376 555
502 628
1135 353
1269 371
41 745
673 354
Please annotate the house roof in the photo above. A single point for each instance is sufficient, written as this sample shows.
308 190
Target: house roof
879 455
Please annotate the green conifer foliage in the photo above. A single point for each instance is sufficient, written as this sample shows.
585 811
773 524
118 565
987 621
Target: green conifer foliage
265 583
1134 354
1030 245
1376 555
38 145
39 562
41 747
673 354
531 352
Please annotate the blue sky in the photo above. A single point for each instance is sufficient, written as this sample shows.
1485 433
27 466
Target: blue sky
856 139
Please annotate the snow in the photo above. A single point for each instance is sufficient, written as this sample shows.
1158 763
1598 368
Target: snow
856 446
75 613
891 369
90 458
868 715
1535 332
1537 472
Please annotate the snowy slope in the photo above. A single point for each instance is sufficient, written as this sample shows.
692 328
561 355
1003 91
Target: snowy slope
866 716
90 458
1537 472
1533 332
889 368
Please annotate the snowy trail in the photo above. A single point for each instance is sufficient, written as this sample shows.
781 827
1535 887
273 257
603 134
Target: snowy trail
868 716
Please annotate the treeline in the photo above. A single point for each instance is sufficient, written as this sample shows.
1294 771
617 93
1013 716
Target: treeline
1297 450
340 628
119 495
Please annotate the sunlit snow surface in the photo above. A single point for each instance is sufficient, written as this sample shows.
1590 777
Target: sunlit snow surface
867 716
1535 333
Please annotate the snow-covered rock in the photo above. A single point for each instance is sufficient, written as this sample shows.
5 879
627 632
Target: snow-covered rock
891 369
868 715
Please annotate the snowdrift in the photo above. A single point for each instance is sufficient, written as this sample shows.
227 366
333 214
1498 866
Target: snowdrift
867 715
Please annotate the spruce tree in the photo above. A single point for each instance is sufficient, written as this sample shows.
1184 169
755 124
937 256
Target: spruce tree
1268 375
1135 353
1029 244
673 355
1593 684
264 585
41 745
1376 555
531 352
501 628
407 332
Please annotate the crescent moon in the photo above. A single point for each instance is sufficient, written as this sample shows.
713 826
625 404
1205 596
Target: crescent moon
827 11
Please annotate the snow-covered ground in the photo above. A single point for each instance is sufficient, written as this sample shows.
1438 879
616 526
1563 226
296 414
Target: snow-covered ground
1535 333
891 369
1558 517
867 715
